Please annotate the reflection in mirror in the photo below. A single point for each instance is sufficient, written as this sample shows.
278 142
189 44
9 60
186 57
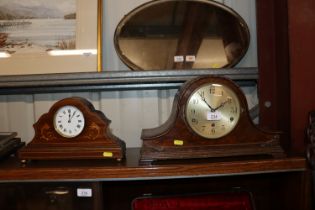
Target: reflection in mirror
177 34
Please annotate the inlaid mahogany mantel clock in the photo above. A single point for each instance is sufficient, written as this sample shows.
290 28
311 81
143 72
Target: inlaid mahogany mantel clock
73 129
209 118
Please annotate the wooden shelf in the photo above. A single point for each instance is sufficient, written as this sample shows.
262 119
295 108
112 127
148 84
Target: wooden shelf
12 170
114 80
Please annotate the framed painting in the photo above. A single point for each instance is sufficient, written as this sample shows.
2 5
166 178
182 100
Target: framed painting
44 36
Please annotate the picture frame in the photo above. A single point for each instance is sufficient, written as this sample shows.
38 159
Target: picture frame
45 37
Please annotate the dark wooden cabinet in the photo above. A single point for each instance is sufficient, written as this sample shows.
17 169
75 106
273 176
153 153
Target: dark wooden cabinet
50 196
269 191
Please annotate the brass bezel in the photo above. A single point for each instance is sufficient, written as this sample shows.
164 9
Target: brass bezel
56 127
234 97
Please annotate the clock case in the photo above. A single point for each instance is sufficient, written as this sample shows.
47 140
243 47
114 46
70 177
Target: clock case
95 141
176 140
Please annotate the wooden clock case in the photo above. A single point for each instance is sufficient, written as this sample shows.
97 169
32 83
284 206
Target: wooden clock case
175 140
95 142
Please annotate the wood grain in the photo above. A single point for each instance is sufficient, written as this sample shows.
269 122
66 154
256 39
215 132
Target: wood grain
12 170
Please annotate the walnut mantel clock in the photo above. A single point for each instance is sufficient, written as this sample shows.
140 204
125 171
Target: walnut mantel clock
209 118
73 129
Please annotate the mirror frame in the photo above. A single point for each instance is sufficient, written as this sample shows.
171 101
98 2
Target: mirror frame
129 15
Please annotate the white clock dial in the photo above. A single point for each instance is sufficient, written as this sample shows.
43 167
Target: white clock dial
69 121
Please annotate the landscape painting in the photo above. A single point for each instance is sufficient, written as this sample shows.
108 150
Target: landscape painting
37 26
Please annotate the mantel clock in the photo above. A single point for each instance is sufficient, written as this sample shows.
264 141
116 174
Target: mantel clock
73 129
209 118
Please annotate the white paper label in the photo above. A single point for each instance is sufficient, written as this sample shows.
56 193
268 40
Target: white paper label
178 58
214 116
190 58
84 192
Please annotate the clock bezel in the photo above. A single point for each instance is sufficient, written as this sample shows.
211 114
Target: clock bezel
60 132
235 98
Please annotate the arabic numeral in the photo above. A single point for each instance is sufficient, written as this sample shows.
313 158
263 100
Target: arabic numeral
229 100
212 90
213 131
234 110
194 120
202 94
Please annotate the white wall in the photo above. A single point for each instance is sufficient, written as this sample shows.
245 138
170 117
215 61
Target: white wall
130 111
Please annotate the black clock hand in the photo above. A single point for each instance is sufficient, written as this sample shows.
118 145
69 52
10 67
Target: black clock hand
72 115
221 105
204 100
69 119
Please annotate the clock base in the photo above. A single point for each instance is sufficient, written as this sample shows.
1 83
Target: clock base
271 148
63 153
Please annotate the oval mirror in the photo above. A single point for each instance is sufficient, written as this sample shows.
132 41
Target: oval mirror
181 34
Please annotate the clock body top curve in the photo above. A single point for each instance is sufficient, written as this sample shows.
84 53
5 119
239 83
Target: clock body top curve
206 108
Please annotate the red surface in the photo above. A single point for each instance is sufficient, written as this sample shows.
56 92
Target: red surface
227 201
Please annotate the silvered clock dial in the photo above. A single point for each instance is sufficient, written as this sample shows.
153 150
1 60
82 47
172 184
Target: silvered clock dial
212 110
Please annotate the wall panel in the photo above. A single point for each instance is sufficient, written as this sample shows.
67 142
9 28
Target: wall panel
130 111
